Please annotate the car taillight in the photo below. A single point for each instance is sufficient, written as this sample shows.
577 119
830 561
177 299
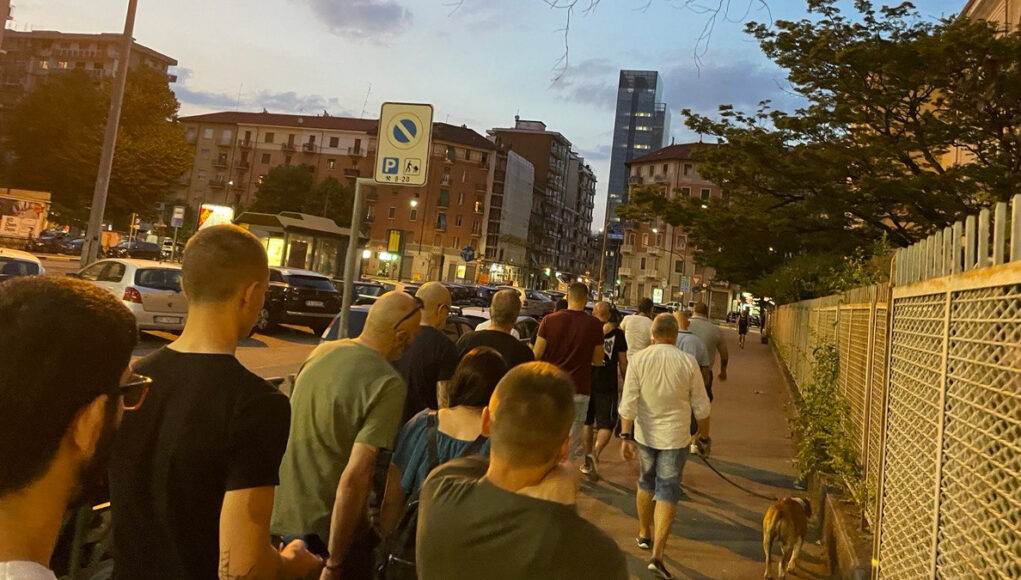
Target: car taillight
132 295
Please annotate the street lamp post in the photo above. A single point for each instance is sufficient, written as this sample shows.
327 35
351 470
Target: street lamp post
669 270
421 234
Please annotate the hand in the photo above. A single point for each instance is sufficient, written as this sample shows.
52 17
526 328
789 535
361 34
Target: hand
298 562
723 373
627 450
560 485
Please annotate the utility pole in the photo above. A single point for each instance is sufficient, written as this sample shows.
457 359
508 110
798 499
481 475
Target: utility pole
602 257
92 238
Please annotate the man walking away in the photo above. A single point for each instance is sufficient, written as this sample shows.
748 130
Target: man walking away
663 387
431 357
742 327
346 405
638 327
514 517
573 340
194 470
691 344
503 314
712 338
63 393
602 406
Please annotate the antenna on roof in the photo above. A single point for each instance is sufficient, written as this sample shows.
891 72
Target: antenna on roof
366 103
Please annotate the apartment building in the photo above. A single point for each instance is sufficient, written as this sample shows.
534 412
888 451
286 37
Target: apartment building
27 58
1004 12
656 259
416 233
510 209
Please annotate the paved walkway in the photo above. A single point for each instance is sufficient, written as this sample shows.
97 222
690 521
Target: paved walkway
718 534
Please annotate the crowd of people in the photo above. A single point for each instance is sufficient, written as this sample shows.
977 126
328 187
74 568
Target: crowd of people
399 453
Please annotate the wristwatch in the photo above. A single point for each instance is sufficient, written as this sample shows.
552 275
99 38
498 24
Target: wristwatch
626 436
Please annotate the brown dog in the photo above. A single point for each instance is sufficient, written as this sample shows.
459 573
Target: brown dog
786 521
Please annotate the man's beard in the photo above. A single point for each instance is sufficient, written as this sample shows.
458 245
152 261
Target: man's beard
93 482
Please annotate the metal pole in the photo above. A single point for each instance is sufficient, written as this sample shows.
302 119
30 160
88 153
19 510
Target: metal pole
352 254
173 249
91 248
602 257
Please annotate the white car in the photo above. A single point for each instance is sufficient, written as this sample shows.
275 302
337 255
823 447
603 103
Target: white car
525 329
15 263
533 303
150 290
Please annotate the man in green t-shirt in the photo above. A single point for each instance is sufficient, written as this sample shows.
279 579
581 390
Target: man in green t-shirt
346 406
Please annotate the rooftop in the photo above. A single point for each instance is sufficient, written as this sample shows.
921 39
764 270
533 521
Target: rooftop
681 152
87 37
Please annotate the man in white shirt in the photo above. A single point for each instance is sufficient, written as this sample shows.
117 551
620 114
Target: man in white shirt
638 327
662 389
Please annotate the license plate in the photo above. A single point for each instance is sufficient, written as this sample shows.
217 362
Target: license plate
168 319
315 303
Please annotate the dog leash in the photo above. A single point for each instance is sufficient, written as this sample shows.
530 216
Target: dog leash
732 482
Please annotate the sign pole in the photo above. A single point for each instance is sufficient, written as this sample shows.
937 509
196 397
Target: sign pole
173 249
351 257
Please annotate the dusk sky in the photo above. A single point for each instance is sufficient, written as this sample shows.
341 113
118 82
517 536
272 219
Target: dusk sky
478 65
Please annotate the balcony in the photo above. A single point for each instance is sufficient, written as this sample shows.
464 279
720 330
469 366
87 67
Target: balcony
650 274
654 251
634 180
220 163
288 147
356 151
244 164
309 147
370 218
245 143
661 178
627 249
371 196
624 272
218 183
481 188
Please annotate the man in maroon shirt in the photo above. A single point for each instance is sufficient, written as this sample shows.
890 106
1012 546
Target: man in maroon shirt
573 340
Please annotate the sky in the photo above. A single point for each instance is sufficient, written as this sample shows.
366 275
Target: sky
479 62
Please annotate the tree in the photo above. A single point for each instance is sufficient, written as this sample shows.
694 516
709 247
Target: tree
293 188
908 125
56 135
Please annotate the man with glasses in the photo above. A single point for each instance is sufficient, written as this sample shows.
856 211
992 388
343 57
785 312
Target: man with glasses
346 407
194 469
431 357
65 346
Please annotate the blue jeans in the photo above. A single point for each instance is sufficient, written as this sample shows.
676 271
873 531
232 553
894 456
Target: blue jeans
660 472
580 411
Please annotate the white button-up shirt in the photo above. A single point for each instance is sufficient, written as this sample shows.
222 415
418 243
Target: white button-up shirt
662 388
637 332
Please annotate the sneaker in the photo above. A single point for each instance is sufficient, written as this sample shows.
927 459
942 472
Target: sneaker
657 568
644 543
595 466
587 467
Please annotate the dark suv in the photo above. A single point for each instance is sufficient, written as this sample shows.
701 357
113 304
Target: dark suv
298 297
135 249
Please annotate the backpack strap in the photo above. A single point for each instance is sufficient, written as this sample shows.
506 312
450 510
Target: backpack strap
432 425
474 446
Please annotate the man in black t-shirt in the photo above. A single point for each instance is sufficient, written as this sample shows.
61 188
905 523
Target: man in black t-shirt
514 516
602 408
431 357
194 469
503 313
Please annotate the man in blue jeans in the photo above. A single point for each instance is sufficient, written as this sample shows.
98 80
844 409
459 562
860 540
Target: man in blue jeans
662 389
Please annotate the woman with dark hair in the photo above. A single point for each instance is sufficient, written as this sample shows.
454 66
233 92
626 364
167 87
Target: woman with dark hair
456 430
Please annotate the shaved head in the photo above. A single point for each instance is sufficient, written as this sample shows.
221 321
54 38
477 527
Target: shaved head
602 311
577 294
506 307
664 327
220 262
388 310
531 412
392 323
435 304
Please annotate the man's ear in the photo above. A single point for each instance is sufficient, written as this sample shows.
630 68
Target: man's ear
251 294
87 426
487 422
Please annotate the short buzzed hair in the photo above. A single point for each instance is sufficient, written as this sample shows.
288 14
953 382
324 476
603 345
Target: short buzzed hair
506 307
645 305
664 326
532 411
577 292
219 262
701 309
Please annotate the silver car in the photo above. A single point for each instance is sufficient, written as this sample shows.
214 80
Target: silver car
150 290
533 303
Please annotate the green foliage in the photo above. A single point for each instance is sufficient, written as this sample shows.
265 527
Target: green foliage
56 135
293 188
907 126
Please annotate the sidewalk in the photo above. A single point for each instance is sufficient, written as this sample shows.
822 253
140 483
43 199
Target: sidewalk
718 534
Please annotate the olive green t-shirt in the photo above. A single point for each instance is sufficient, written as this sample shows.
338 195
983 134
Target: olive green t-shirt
346 393
469 528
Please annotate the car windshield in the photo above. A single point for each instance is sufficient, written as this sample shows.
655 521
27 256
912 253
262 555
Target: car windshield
12 267
313 282
159 278
369 290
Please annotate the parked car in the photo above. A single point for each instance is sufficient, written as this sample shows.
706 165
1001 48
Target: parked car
48 242
554 295
533 302
15 263
150 290
462 295
135 249
526 327
299 297
456 327
72 246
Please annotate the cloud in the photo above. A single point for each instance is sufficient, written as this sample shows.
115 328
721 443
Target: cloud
600 153
272 101
366 19
590 82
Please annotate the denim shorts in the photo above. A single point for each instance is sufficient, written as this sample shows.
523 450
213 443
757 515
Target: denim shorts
660 472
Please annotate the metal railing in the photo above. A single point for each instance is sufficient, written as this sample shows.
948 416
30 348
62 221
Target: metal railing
931 368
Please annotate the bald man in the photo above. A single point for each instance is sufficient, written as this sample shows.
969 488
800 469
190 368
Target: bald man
346 407
432 357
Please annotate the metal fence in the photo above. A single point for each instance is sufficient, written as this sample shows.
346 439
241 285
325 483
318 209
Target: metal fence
931 368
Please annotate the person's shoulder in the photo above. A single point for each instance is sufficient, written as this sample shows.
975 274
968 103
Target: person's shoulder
587 541
461 470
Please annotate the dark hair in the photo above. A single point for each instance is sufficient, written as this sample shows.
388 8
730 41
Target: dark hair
476 377
701 309
645 305
63 342
577 292
219 261
532 411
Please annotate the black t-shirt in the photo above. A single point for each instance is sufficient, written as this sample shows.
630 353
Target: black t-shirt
604 378
431 357
511 349
472 529
207 426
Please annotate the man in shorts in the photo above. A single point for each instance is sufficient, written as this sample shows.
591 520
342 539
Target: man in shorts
602 405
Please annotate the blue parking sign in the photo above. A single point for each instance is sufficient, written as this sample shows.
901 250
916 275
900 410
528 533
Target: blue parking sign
390 165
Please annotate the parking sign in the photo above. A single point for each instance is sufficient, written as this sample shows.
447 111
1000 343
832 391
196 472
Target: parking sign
403 143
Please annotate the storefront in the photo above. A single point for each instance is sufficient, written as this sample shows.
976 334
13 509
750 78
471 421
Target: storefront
297 240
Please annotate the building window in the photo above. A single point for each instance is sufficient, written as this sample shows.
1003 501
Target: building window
665 169
207 133
451 154
261 179
334 142
391 213
478 207
682 242
652 169
468 154
484 157
645 239
269 137
61 64
457 241
679 266
414 214
446 177
630 239
331 163
457 221
190 135
287 160
370 213
705 194
265 158
43 64
226 137
659 240
687 168
441 221
460 199
643 264
477 227
438 240
686 191
444 198
202 174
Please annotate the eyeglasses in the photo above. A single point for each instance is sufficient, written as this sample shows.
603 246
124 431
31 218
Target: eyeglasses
419 305
133 392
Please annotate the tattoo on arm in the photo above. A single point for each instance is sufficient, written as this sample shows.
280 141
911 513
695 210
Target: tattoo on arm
225 573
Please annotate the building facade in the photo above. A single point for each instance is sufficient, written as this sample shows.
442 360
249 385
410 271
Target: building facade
510 210
26 58
656 259
1005 12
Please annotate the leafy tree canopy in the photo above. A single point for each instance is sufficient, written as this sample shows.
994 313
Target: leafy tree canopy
293 188
908 125
56 135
